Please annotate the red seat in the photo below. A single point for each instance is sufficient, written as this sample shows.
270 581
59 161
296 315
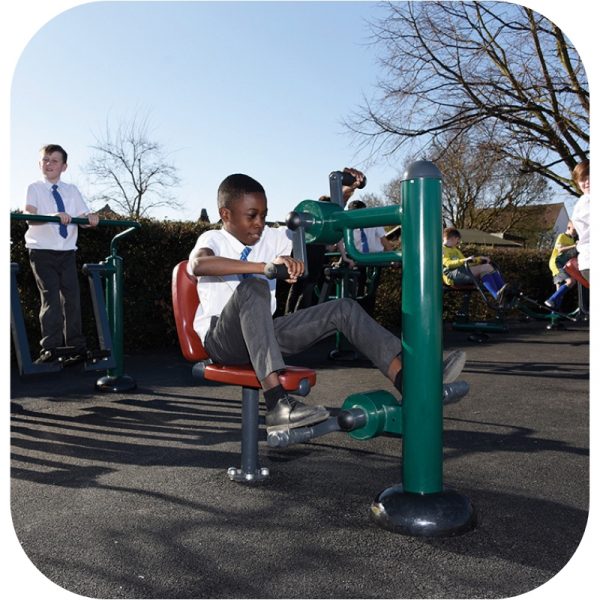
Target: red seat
572 270
293 379
185 303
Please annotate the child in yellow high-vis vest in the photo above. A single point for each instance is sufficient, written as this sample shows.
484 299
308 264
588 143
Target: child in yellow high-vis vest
460 270
564 249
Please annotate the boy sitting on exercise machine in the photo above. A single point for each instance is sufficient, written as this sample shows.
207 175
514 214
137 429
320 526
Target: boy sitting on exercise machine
460 270
235 321
565 248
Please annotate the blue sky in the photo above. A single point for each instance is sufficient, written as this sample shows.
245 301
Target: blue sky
254 87
260 88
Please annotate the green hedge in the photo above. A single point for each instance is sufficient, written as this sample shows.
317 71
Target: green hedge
150 253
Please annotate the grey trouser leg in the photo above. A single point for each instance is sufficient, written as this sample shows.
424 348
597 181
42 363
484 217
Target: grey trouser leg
55 273
300 330
246 332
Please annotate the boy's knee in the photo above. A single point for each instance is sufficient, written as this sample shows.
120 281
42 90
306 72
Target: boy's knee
347 305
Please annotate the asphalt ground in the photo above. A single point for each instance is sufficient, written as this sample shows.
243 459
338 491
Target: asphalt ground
127 496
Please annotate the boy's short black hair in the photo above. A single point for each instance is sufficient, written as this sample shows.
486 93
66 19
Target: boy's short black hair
50 148
234 187
356 204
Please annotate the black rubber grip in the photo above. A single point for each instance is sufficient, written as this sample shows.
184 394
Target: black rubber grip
278 271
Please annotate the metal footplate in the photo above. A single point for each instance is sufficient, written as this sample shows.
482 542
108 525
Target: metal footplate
96 360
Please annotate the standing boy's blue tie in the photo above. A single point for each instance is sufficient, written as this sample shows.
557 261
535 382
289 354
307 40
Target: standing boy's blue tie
60 205
363 241
244 256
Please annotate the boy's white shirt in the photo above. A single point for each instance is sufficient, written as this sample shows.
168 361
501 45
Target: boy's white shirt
45 236
215 291
581 220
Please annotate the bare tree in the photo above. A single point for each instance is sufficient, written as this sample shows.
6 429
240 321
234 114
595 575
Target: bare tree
453 66
482 186
131 170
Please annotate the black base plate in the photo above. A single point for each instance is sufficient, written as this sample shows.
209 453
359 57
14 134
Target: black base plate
441 514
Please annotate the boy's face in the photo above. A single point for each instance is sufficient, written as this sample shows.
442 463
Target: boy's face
584 184
451 241
245 219
52 166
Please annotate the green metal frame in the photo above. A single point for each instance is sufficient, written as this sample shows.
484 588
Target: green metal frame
421 505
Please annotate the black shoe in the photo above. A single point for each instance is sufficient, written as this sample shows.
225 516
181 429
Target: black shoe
78 356
289 413
46 356
453 392
453 365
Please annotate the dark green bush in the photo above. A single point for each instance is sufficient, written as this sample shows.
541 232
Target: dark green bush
150 253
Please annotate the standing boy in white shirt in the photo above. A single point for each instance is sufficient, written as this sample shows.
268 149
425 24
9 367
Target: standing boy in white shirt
52 249
235 316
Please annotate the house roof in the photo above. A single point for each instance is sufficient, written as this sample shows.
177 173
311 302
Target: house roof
533 216
478 237
469 236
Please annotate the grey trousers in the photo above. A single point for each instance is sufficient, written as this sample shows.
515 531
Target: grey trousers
246 331
55 273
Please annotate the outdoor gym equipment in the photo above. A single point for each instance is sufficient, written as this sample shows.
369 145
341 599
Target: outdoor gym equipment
108 314
518 301
421 505
479 330
344 281
293 379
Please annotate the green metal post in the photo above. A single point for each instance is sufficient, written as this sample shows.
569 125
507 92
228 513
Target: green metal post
115 379
421 505
422 333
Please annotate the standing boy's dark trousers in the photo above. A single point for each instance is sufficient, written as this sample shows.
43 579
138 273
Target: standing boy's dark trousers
246 331
55 273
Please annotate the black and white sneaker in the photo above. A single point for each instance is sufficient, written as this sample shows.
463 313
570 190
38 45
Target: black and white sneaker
289 413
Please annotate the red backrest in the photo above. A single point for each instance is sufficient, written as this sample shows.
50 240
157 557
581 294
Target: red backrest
185 302
572 269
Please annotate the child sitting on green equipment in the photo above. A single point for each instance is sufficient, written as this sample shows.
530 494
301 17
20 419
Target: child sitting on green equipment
460 270
565 248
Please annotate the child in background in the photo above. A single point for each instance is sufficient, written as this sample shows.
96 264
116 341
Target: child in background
564 249
52 248
460 270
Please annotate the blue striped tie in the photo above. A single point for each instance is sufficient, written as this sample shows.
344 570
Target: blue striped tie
363 241
244 256
60 205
